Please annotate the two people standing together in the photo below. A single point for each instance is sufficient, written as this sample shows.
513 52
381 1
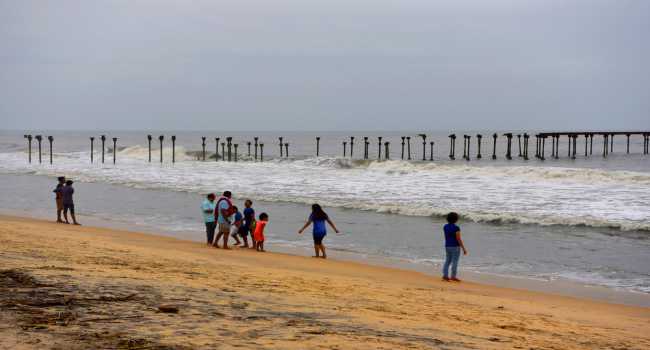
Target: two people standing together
64 202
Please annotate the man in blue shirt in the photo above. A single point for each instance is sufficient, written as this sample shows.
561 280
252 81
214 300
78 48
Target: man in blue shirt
224 218
207 208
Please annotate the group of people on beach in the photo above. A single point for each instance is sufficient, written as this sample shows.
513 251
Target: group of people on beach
224 219
64 202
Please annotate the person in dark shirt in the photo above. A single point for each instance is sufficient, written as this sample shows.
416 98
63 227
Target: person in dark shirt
68 204
453 245
59 198
248 224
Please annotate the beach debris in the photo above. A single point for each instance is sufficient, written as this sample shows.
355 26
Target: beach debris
167 308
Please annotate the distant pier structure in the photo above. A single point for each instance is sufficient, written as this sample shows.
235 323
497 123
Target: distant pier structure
573 139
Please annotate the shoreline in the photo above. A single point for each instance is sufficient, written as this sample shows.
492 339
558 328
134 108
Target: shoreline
100 288
560 287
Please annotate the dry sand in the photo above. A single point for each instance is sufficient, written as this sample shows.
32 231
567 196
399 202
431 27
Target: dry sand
68 287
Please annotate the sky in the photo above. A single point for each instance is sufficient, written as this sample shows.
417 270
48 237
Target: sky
325 64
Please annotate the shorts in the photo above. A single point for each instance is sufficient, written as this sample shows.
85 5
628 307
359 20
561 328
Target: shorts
69 206
244 230
234 230
318 238
224 227
59 204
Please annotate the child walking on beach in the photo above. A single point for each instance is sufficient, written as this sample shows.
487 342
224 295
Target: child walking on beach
259 232
248 224
234 229
453 245
318 217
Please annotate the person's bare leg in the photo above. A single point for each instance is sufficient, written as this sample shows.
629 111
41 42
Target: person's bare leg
237 241
216 240
253 243
65 215
322 249
74 218
58 215
225 240
245 239
262 246
316 251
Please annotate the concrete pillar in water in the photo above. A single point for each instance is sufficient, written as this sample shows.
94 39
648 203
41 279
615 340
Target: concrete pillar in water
379 148
261 152
403 144
628 143
478 142
92 151
452 146
317 146
387 150
203 146
469 145
431 151
464 146
149 140
281 144
216 149
526 137
351 146
586 145
29 147
103 138
255 139
345 149
114 148
494 146
223 151
519 142
569 150
39 138
173 148
424 146
605 144
543 156
552 146
509 147
365 147
286 149
249 148
229 140
538 146
50 139
591 144
408 147
236 146
575 145
161 138
612 143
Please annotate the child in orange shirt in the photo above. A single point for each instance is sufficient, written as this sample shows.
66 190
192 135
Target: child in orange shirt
259 232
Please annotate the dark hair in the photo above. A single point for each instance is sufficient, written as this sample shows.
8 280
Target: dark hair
317 212
227 194
264 216
452 217
69 182
248 202
61 178
234 207
211 195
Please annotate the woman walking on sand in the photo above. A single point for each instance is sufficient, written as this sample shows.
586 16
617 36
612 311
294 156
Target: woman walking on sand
318 217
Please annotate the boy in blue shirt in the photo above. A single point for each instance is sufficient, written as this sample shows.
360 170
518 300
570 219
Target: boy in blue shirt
236 225
453 245
207 208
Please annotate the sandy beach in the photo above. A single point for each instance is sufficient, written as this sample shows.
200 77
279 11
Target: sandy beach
90 288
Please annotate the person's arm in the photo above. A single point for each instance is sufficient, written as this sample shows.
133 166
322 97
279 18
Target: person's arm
304 227
332 224
224 213
460 241
207 209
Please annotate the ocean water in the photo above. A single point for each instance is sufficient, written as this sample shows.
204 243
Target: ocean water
585 220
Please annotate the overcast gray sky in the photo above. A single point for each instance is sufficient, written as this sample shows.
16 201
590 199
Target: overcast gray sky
325 64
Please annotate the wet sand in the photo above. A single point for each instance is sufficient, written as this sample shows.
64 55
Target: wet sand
83 287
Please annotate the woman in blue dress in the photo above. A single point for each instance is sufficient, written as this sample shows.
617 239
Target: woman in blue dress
318 218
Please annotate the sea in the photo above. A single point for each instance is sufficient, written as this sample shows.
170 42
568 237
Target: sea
584 220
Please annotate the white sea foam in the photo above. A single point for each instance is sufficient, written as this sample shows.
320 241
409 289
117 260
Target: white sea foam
495 194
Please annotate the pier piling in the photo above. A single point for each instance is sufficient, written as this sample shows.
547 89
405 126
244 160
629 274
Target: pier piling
203 146
149 140
114 149
464 146
39 138
317 146
281 144
431 151
586 145
161 138
509 147
408 147
452 146
478 141
494 146
379 148
424 146
351 146
103 138
345 149
50 139
229 140
403 144
611 142
286 149
261 152
29 147
216 149
249 149
223 151
173 148
519 142
628 143
365 147
386 151
256 139
526 137
236 146
92 151
543 156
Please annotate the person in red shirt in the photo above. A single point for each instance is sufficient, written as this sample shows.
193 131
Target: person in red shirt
259 232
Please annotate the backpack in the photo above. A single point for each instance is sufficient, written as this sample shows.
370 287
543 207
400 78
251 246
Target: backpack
230 211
